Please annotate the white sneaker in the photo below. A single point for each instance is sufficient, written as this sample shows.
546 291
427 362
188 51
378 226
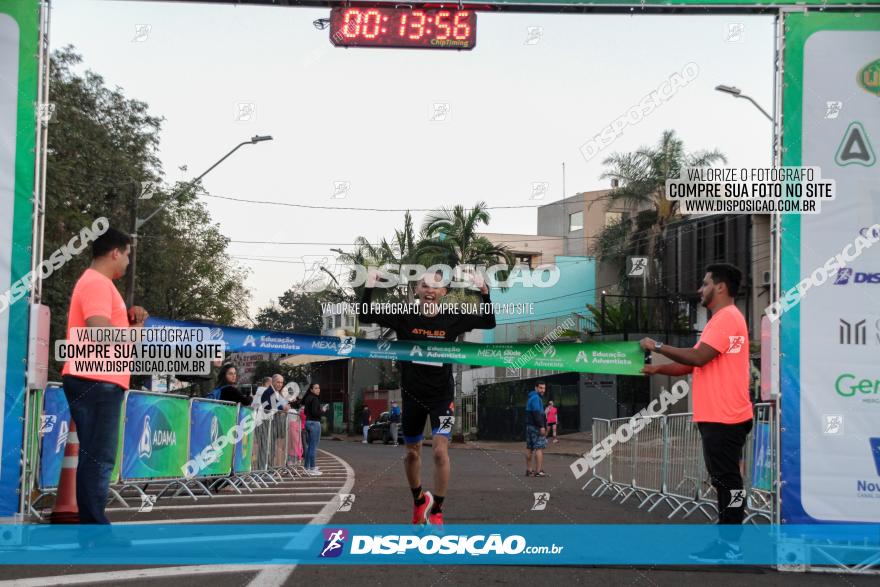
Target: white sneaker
363 442
314 472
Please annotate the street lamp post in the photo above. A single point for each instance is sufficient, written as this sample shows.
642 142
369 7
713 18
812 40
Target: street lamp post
137 223
737 93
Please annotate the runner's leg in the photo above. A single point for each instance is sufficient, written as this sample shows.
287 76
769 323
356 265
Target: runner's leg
442 468
442 424
413 422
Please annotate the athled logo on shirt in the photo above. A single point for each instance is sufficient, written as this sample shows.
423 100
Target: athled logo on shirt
736 344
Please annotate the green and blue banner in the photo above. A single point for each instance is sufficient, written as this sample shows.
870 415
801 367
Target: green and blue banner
54 427
210 420
155 436
615 358
19 80
829 340
243 450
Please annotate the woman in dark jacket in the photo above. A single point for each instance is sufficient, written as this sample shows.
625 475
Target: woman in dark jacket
229 392
313 412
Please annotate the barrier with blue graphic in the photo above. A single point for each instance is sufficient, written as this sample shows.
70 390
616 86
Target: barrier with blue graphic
155 436
243 452
54 427
210 444
762 462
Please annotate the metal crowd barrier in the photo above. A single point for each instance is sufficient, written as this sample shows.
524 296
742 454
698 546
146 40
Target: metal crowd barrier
663 464
156 446
278 452
602 470
260 469
294 437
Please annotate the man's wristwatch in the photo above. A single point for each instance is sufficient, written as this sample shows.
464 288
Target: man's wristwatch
658 346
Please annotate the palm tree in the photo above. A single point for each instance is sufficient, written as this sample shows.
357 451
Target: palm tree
641 177
452 238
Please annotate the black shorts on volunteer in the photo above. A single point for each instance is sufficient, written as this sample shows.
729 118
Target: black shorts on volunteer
415 411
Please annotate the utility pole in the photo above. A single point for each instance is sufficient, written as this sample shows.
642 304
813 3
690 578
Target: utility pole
132 259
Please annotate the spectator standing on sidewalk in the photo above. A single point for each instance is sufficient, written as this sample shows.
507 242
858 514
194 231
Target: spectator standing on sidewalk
314 411
536 431
551 413
395 421
265 384
365 423
96 399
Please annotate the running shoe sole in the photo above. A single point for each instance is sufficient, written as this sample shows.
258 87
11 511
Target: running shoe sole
429 503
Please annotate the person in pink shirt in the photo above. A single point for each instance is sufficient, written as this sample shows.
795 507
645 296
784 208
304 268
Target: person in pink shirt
95 399
551 412
722 408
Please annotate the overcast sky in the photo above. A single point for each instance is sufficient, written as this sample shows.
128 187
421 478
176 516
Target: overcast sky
516 111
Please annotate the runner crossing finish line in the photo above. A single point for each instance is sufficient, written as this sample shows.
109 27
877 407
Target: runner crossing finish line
612 358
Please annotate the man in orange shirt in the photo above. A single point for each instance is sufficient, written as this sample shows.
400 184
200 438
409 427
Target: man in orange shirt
722 408
96 399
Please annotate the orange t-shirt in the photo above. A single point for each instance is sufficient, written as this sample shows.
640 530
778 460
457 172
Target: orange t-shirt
721 386
95 295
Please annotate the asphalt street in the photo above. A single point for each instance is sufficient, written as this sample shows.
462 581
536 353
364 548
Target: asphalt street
489 486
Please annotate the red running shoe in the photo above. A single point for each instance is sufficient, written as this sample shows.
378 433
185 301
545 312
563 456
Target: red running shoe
435 519
420 512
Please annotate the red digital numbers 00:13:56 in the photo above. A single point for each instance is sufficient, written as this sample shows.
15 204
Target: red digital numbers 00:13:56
404 25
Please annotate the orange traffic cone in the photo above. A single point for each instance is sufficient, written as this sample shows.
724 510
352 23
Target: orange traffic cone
66 510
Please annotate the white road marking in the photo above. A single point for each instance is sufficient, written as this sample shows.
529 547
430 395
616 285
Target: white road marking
275 576
210 504
130 575
268 574
229 519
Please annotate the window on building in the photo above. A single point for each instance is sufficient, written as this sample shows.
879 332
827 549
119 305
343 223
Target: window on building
524 260
349 321
720 243
576 221
612 218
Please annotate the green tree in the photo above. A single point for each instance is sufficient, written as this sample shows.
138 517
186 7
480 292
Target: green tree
102 145
641 178
452 237
298 310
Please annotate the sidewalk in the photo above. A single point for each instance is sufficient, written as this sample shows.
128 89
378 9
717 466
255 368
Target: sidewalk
574 445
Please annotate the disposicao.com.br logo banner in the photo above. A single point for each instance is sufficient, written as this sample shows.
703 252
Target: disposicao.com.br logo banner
522 544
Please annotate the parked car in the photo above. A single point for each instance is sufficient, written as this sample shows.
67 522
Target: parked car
381 430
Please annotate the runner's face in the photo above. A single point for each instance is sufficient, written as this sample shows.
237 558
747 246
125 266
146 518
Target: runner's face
277 383
540 389
316 390
428 292
232 376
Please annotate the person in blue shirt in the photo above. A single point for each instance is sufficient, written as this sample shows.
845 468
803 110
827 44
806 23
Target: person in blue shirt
395 421
536 431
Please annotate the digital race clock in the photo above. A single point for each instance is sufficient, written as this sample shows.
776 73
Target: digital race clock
435 28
